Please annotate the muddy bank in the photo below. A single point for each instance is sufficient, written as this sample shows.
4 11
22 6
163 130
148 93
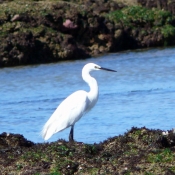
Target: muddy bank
34 32
139 151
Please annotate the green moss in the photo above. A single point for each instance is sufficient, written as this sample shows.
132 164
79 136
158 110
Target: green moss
16 8
126 154
172 169
141 16
90 149
33 156
164 155
93 171
41 30
55 172
168 31
163 17
22 7
6 28
130 15
132 151
148 173
19 166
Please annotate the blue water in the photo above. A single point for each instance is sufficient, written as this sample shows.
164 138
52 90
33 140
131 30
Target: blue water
141 93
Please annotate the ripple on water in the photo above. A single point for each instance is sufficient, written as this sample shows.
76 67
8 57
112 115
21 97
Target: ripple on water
141 93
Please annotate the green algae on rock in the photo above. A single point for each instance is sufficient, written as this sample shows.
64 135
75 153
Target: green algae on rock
139 151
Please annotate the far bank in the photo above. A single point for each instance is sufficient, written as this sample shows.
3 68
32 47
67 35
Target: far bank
34 32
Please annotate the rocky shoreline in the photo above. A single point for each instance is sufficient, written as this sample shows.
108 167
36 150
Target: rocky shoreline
34 32
140 151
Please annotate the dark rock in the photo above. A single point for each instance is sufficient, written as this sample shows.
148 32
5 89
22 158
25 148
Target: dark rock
8 140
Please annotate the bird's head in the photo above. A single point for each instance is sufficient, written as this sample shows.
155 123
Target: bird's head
91 66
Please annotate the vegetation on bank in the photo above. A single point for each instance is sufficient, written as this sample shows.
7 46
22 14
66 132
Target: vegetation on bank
139 151
30 10
132 16
35 31
137 17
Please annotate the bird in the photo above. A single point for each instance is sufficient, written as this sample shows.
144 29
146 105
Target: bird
74 106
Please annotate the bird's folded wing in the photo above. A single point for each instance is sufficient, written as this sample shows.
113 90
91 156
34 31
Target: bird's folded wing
67 113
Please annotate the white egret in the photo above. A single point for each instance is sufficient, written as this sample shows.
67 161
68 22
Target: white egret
74 106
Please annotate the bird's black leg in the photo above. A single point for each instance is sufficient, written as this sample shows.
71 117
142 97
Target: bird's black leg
71 135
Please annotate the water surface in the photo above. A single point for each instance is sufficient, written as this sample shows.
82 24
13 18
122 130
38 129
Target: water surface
141 93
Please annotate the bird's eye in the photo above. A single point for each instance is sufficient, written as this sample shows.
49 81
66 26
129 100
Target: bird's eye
96 67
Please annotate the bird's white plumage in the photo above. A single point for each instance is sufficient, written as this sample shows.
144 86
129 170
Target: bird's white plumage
74 106
67 113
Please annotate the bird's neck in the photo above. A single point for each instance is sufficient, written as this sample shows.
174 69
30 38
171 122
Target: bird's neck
93 93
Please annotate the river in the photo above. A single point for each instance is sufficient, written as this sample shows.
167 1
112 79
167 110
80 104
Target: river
141 93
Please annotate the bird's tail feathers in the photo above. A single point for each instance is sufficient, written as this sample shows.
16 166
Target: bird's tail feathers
49 130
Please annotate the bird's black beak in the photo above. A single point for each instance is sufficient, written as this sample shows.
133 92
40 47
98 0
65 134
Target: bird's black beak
102 68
